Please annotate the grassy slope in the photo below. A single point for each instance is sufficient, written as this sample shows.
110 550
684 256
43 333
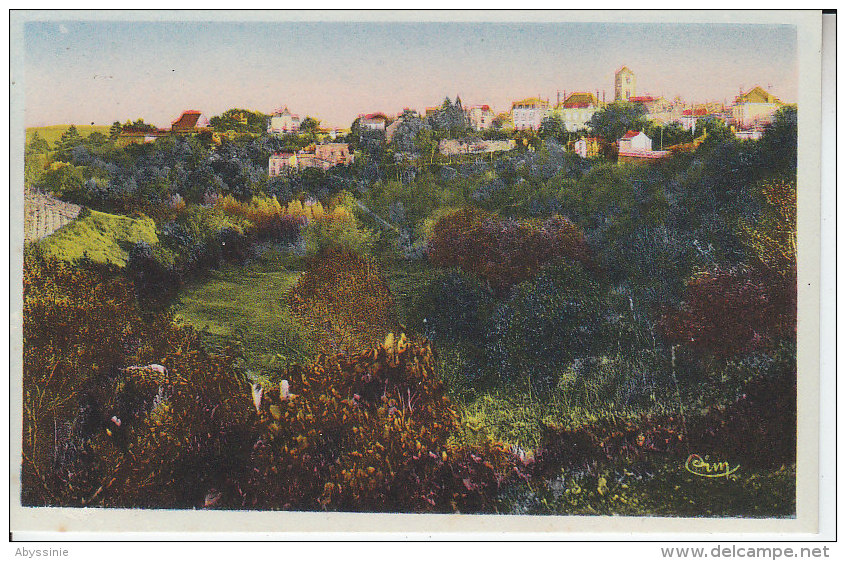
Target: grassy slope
245 305
53 133
103 237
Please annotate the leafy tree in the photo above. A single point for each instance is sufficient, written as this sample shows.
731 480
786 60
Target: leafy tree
309 127
64 181
552 127
772 241
450 120
778 143
35 158
96 139
69 140
504 253
115 130
240 121
668 135
548 322
425 144
452 306
728 312
614 120
38 145
338 231
410 125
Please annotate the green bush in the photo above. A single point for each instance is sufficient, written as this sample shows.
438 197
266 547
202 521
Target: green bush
339 231
547 323
101 237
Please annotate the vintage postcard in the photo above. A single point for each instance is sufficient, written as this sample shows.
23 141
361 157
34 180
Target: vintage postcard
415 271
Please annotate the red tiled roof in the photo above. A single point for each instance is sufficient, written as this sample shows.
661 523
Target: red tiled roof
699 111
188 120
373 116
631 134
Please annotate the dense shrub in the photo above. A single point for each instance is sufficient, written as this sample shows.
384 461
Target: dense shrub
728 312
371 433
337 231
504 253
79 321
368 433
450 306
547 323
345 300
152 271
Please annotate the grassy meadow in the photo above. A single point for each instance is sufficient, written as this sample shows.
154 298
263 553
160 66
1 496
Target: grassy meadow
245 307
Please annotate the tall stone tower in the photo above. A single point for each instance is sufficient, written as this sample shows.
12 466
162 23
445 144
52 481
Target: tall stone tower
624 84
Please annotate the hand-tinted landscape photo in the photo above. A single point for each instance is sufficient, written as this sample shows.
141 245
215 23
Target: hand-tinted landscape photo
482 268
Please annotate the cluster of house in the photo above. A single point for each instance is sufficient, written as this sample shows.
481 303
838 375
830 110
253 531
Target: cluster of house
748 115
189 122
751 111
320 156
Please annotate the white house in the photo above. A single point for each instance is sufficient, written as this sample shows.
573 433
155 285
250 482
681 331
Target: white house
284 122
374 121
635 141
529 113
480 116
576 111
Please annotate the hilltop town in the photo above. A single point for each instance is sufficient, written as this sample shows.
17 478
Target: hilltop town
480 129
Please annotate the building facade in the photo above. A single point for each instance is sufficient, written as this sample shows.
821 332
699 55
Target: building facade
635 147
576 111
587 147
283 122
754 109
480 116
529 113
374 121
321 156
635 141
625 85
280 163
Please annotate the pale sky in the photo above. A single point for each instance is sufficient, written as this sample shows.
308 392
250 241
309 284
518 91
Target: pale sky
100 72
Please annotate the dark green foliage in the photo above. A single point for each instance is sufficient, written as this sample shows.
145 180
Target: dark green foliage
234 120
453 308
547 323
450 120
407 136
613 121
777 146
64 146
